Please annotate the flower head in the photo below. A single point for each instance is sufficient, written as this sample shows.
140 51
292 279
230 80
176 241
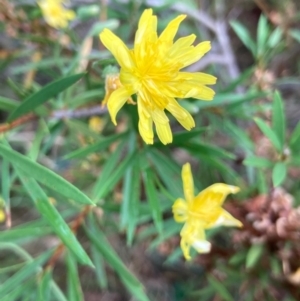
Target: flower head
152 71
55 14
201 212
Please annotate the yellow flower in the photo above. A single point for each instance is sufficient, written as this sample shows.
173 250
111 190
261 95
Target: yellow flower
55 14
201 212
2 216
152 70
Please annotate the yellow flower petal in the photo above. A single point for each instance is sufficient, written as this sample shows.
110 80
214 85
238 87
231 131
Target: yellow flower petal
201 92
170 31
212 199
226 219
116 46
164 132
147 25
197 78
181 45
193 54
116 101
145 124
182 115
192 234
180 210
188 182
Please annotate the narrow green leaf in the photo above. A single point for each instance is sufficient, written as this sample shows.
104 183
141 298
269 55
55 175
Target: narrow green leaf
253 255
207 150
20 233
44 285
40 97
107 169
74 285
269 133
295 139
55 220
261 182
262 35
44 175
244 35
227 99
8 104
275 37
110 182
153 199
96 147
239 134
130 202
18 291
245 75
38 138
279 173
168 171
99 268
258 162
102 245
278 118
22 275
220 288
295 33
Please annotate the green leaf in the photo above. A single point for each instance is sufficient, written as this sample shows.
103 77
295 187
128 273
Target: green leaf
111 24
44 285
262 35
111 258
295 33
219 288
226 99
55 220
244 35
279 173
207 150
168 171
240 136
99 268
275 37
253 255
130 202
295 139
96 147
269 133
8 104
40 97
44 175
153 200
258 162
107 168
22 275
110 182
278 119
74 285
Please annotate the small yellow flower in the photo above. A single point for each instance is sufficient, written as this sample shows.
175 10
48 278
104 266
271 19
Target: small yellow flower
96 124
2 216
201 212
152 71
55 14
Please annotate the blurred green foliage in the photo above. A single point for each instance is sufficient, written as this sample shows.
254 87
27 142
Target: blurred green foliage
71 194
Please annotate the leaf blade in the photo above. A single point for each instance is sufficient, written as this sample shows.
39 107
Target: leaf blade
40 97
45 175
